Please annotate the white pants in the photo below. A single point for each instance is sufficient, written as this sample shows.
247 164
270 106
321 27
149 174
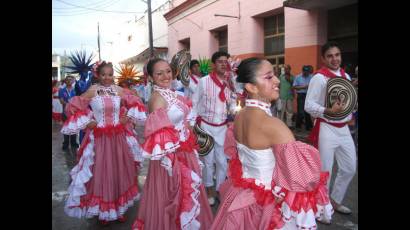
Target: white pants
337 142
287 107
215 156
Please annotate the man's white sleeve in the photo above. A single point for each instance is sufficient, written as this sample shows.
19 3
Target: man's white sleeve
232 102
195 102
313 97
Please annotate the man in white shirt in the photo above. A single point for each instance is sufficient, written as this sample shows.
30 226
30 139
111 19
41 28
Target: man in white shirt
177 85
194 78
212 101
331 137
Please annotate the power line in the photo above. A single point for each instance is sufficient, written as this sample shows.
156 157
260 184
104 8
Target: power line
109 11
95 4
76 10
70 12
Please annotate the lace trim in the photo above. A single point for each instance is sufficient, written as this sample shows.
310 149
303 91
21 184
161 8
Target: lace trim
167 94
105 91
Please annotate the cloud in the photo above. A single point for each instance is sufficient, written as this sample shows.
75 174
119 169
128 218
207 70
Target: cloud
80 31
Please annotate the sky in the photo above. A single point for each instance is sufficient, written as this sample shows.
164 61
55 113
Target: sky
74 22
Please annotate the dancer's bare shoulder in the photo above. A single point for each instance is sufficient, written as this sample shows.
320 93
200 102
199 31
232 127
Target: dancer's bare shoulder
277 131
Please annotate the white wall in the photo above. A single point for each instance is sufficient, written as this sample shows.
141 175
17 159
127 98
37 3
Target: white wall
118 48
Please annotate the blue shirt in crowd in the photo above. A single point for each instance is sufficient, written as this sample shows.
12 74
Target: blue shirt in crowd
300 80
66 94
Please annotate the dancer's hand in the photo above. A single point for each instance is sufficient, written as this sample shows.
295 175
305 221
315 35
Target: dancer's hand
337 107
124 119
92 124
278 200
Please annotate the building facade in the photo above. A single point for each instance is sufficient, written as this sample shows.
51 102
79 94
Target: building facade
55 67
131 41
285 32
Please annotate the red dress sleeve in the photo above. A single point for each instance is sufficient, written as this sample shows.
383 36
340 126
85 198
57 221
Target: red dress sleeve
79 115
298 178
161 137
135 109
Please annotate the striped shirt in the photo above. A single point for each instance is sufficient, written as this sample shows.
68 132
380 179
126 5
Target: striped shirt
208 105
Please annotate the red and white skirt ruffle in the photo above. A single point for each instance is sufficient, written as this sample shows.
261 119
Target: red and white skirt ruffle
104 182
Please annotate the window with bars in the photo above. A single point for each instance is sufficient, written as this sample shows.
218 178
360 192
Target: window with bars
185 44
274 39
223 40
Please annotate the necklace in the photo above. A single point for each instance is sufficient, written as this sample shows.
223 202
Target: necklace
259 104
106 91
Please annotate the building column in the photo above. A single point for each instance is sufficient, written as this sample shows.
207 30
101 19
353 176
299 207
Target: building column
306 32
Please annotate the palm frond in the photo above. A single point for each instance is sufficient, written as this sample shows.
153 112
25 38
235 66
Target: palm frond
205 65
127 72
81 63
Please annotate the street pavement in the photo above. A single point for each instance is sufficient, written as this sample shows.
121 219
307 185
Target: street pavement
63 162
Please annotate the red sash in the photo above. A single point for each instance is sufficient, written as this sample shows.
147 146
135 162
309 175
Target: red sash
314 135
199 119
221 85
194 79
327 73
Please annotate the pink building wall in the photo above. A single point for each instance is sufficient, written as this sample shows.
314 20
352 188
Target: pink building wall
304 28
305 31
245 35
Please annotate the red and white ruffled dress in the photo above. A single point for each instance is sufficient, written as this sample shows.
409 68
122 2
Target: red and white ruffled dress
57 113
173 196
291 171
104 182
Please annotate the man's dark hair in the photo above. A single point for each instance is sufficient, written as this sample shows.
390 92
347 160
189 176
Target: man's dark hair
327 46
219 54
193 62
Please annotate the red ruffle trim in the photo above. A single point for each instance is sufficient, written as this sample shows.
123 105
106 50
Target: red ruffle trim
123 111
138 225
133 101
263 197
110 130
84 143
298 201
140 107
57 116
90 200
186 202
161 137
190 144
74 117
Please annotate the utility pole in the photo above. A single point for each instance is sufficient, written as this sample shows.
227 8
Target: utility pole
99 50
64 64
151 46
